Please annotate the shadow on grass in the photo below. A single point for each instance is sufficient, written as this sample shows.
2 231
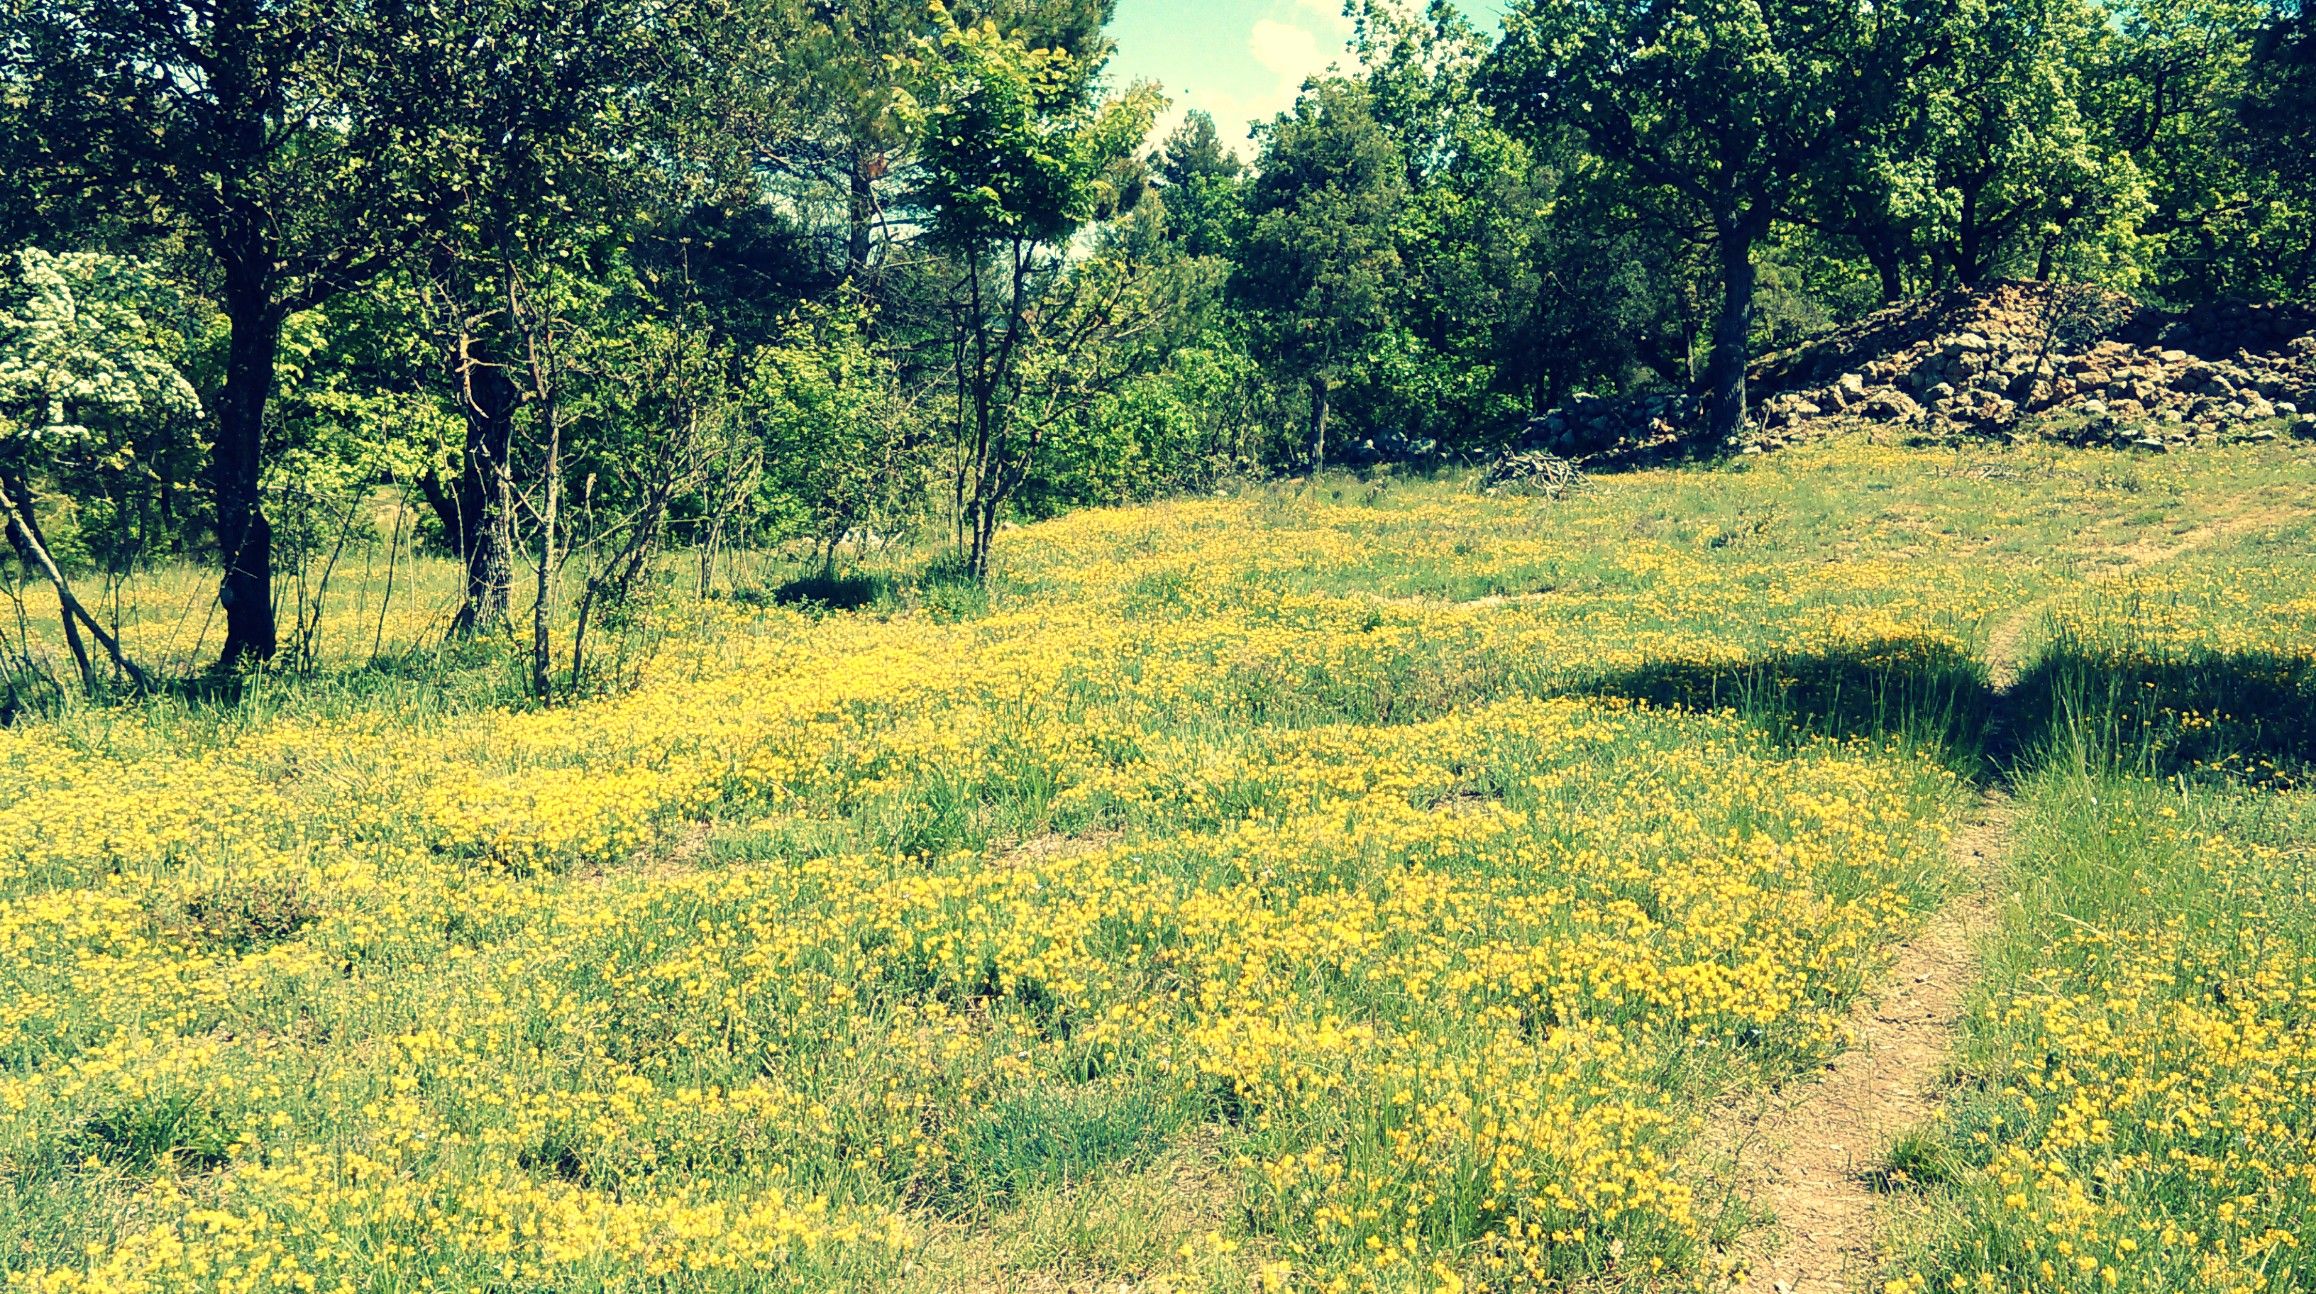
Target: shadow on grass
453 674
1928 696
2193 714
833 591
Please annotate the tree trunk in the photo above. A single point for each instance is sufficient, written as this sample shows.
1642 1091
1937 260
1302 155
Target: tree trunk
1970 253
1732 333
1892 271
237 461
24 537
861 215
984 523
486 502
543 605
1321 390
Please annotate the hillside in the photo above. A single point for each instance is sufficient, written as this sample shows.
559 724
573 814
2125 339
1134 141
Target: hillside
2066 362
1334 886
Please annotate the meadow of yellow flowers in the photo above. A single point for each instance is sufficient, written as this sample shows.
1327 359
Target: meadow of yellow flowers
1337 887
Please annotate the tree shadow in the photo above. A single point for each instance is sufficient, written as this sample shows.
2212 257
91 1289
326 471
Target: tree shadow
2240 716
1926 695
2203 715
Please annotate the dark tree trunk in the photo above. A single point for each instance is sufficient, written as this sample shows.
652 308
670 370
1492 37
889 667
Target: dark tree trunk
1732 333
485 501
1322 389
1892 271
1970 254
236 462
861 215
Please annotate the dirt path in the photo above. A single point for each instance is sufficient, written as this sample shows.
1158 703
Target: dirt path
2004 661
1804 1153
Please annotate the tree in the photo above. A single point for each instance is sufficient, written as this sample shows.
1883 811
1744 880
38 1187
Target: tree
2278 115
78 343
1201 184
1721 104
1020 153
823 88
2013 169
840 442
1461 360
1320 264
276 131
541 113
2209 98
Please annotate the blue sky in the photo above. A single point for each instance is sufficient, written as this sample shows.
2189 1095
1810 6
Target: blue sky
1241 60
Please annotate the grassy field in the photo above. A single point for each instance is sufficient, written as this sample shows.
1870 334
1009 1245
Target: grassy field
1337 886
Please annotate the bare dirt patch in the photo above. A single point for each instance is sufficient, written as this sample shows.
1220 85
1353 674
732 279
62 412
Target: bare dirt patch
2156 550
1805 1154
1052 846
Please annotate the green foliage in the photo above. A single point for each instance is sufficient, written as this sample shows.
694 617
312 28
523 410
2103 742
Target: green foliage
1016 146
842 448
1321 266
355 410
83 334
1198 417
2012 169
1202 185
95 401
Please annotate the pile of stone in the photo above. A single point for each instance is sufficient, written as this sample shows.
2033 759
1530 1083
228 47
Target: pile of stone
2070 362
2063 361
1533 472
1591 425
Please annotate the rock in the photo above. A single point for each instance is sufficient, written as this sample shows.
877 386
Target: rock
1974 362
1892 406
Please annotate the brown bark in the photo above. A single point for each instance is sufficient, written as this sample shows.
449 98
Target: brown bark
485 502
1732 333
1321 392
244 534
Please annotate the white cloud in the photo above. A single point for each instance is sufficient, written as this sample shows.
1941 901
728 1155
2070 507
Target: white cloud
1288 53
1300 39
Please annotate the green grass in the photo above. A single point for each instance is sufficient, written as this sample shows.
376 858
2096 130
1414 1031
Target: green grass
2135 1104
963 940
